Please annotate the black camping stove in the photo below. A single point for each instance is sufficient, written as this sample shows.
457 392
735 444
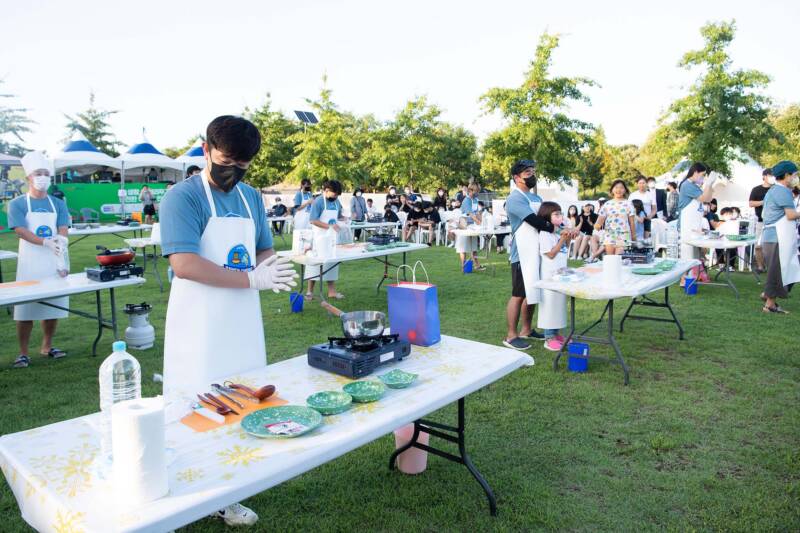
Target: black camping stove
112 272
381 239
639 255
356 358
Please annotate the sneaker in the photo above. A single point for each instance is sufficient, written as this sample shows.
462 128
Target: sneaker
236 515
516 344
533 335
560 338
553 345
777 309
589 260
21 362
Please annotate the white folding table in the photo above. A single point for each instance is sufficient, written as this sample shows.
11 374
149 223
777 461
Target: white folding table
632 286
144 243
17 292
486 233
6 255
50 469
727 245
111 229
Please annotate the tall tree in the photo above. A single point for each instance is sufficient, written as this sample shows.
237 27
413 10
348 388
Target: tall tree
595 159
93 123
724 115
274 161
537 124
14 124
787 146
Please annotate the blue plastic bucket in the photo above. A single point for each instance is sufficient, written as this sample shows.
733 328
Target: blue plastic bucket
296 301
690 286
468 266
580 363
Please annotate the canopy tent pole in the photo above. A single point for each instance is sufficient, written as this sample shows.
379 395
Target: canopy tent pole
122 188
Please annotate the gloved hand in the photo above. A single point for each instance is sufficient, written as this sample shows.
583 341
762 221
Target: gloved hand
711 179
275 273
55 244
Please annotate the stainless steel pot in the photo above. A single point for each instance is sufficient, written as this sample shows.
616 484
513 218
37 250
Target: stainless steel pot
357 324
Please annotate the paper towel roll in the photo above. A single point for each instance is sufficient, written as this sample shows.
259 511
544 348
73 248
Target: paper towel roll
137 436
612 269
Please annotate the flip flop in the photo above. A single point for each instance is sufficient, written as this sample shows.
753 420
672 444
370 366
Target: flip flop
308 296
21 362
337 296
55 353
777 309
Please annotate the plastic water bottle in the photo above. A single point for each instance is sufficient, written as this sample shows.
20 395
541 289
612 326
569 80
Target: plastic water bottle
673 243
120 379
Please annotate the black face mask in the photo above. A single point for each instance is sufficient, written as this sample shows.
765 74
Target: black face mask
307 188
226 176
530 182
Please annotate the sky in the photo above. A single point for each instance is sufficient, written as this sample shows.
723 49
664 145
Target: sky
172 66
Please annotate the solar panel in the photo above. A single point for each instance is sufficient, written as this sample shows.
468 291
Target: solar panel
306 117
301 116
312 119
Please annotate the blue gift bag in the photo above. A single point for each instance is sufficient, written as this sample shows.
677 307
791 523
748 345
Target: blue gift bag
414 309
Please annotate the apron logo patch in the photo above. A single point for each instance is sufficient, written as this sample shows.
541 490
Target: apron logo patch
44 231
238 258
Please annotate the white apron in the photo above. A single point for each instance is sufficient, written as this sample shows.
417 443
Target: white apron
38 263
552 311
691 218
302 217
787 250
214 332
312 272
527 242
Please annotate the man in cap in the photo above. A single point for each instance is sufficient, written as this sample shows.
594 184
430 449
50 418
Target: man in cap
40 221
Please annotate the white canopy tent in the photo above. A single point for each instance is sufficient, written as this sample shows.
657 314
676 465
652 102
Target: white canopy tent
193 156
143 156
82 156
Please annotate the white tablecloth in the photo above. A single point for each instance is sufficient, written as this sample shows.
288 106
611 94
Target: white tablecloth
722 244
113 228
14 293
631 285
476 231
50 470
5 254
350 252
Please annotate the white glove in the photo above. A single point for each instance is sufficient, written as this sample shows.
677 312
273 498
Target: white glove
710 180
55 244
274 273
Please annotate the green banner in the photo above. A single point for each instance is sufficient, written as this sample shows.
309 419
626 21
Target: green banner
104 197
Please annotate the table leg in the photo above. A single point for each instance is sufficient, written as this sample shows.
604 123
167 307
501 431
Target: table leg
646 301
155 267
571 333
99 323
113 313
445 432
728 281
79 239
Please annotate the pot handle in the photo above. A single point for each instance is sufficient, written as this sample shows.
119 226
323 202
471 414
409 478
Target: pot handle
331 309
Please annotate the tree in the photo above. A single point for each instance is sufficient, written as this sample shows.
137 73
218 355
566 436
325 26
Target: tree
13 126
537 124
595 159
274 161
724 115
787 146
93 123
177 151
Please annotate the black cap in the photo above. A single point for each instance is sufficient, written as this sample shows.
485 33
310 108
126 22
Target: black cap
522 165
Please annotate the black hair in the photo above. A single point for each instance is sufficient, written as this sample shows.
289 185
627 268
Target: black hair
695 168
521 166
333 186
651 178
369 199
547 209
725 210
304 182
674 184
618 182
641 177
191 169
236 137
357 189
767 172
736 210
575 207
713 201
638 206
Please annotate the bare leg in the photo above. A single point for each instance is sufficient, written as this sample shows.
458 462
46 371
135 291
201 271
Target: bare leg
311 284
24 328
527 317
463 259
760 259
512 315
48 330
475 259
585 241
331 289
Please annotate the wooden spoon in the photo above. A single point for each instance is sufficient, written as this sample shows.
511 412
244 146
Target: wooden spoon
258 395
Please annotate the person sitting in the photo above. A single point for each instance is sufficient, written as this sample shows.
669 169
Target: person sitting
413 221
389 214
586 222
405 205
672 201
410 194
460 195
371 211
278 210
193 170
639 217
430 221
392 200
440 201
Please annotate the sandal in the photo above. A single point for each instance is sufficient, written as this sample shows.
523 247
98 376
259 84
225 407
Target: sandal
777 309
21 362
55 353
337 296
308 296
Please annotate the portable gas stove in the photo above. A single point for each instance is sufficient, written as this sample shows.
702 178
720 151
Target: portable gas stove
381 239
112 272
356 358
639 255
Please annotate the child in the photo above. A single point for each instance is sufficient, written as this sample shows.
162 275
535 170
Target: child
616 217
552 312
639 217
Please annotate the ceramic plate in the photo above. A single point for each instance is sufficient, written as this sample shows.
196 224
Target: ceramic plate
284 421
330 402
647 271
365 391
398 379
739 237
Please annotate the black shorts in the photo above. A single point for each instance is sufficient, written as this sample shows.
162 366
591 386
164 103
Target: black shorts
647 224
149 210
517 283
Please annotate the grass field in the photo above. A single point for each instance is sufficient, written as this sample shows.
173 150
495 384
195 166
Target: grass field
704 438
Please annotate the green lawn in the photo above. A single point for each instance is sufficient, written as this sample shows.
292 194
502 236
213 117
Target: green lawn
704 438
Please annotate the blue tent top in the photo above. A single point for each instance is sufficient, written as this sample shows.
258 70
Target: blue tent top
144 148
194 151
80 146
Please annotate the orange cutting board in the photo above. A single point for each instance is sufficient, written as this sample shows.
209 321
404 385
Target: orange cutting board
200 423
12 284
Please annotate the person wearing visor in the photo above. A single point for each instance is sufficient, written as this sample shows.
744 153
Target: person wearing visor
780 236
522 207
326 212
40 221
217 239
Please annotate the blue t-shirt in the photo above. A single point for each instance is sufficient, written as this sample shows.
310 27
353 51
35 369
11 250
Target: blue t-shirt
517 208
302 196
18 208
640 226
321 204
687 192
470 206
777 199
185 213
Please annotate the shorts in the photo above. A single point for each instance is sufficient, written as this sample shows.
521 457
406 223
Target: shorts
647 224
517 282
149 210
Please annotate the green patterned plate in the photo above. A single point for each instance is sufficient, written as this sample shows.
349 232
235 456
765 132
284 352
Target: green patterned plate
647 271
330 402
666 265
739 237
365 391
398 379
284 421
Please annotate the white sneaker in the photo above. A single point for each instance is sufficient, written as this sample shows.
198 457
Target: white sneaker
237 515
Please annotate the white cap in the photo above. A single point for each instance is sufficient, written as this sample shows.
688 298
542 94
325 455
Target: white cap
33 161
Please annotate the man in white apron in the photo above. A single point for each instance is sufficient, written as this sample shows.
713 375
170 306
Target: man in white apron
779 240
214 231
522 207
40 221
690 209
326 211
302 205
471 214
